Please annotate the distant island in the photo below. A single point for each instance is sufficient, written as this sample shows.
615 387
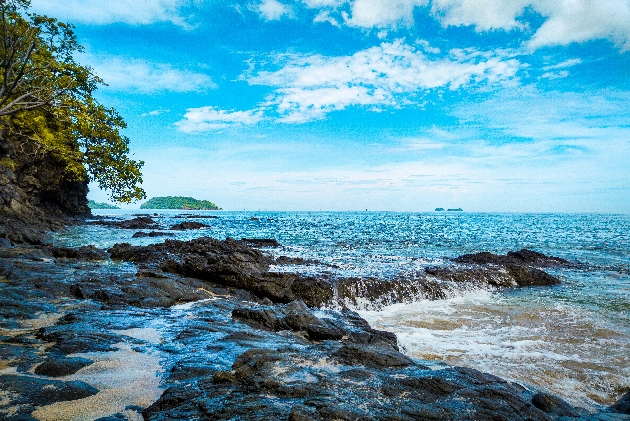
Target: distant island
100 205
455 210
439 209
178 202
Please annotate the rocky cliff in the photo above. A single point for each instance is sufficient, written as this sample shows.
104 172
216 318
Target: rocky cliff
35 194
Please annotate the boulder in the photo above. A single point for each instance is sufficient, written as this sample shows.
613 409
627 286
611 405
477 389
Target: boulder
58 367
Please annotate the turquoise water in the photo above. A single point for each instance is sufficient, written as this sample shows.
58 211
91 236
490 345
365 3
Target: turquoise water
572 339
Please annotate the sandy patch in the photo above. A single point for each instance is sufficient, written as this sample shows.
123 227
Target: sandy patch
124 378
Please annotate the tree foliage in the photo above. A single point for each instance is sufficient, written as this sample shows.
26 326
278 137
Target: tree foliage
48 97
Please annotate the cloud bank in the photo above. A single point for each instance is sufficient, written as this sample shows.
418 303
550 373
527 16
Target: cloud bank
131 74
136 12
390 75
211 118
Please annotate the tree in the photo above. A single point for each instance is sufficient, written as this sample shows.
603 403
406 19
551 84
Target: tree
48 97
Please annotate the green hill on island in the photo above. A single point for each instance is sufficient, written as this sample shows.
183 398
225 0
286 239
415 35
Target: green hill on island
178 202
100 205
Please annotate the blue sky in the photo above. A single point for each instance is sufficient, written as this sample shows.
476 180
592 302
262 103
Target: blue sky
402 105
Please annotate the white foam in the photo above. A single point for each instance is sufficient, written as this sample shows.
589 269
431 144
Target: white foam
537 342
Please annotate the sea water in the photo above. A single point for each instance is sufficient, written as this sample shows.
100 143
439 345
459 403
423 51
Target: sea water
572 340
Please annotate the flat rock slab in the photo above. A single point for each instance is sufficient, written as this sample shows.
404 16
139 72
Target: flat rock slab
39 392
58 367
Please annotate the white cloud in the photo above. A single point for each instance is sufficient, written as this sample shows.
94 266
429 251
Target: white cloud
392 74
567 63
316 4
137 12
583 20
483 14
555 75
205 119
272 9
378 13
565 21
145 76
324 16
154 113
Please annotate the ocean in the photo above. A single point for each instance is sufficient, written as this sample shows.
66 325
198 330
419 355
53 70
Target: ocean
572 339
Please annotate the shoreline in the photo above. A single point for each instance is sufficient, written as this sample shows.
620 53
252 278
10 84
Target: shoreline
221 346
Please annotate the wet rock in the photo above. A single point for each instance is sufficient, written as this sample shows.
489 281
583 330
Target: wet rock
142 234
372 356
15 354
261 242
526 276
197 216
80 253
286 260
623 404
58 367
179 402
267 317
139 222
325 329
19 304
39 392
189 226
297 315
78 338
293 316
231 263
114 417
521 257
77 292
300 413
553 405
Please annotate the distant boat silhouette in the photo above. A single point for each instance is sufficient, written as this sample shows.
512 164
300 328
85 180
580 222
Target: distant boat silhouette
455 210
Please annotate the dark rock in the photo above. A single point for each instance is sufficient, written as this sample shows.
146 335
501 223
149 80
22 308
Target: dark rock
286 260
197 216
77 292
325 329
623 404
267 317
300 413
261 242
178 401
76 338
139 222
15 353
58 367
526 277
372 356
231 263
189 226
115 417
80 253
40 392
141 234
521 257
297 315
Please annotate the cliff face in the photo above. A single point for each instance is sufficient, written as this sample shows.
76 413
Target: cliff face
35 197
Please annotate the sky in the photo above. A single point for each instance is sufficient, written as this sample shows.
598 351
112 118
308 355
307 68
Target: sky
397 105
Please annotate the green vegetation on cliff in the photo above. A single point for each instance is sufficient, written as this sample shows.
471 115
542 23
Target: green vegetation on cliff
178 202
100 205
47 99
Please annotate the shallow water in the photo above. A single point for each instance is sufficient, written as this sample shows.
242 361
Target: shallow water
572 339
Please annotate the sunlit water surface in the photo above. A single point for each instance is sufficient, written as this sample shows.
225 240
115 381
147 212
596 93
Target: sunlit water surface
572 339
